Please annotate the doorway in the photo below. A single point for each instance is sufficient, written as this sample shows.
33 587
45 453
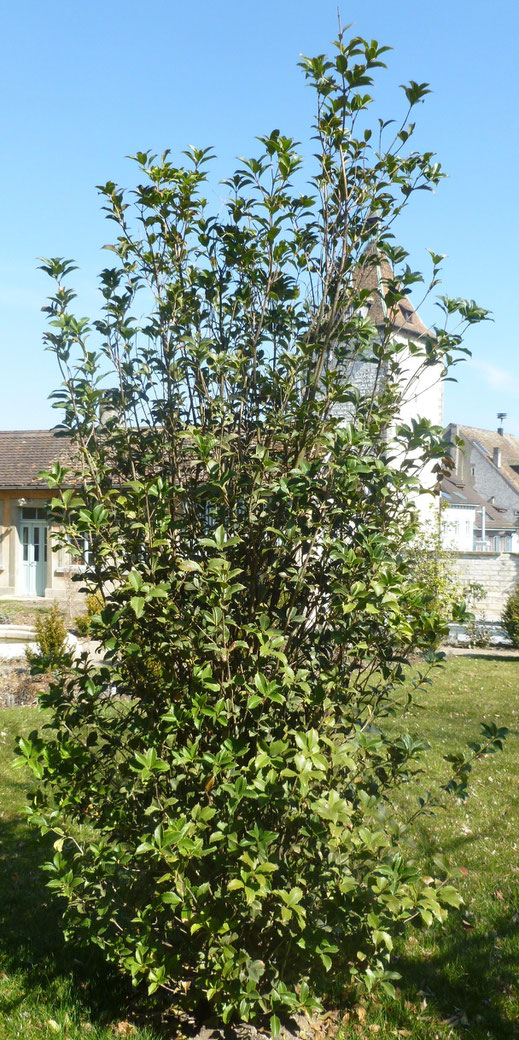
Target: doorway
34 557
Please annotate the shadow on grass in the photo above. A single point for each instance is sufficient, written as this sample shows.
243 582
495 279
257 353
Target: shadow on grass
32 947
468 980
481 655
467 973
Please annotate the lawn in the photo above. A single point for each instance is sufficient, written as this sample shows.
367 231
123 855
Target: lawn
460 979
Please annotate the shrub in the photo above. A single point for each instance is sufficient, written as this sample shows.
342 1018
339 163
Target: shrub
510 618
94 605
431 565
51 641
250 518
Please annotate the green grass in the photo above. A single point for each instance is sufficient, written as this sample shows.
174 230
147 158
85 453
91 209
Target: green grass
46 990
460 979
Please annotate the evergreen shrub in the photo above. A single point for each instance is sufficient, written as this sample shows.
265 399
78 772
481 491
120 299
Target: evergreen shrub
510 618
225 823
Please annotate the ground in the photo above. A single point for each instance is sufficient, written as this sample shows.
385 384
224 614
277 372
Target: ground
458 980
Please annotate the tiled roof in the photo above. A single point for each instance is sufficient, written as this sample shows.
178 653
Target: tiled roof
376 273
490 439
455 493
23 453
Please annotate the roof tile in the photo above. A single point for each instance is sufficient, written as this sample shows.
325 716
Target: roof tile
24 453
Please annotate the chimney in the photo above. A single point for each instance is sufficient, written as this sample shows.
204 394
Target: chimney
501 416
496 454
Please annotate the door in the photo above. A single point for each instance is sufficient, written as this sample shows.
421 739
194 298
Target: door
34 558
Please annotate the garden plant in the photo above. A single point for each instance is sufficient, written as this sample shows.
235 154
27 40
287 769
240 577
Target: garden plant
221 788
510 617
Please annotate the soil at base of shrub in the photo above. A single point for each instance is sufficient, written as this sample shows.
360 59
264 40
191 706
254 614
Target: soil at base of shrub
17 686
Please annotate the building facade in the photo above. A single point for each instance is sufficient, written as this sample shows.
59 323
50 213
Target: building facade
29 567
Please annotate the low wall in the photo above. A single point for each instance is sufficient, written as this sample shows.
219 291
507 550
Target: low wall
497 572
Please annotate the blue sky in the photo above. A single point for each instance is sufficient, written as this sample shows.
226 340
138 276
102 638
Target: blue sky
84 85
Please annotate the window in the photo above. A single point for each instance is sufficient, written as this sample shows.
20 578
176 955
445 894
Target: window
75 555
34 513
25 545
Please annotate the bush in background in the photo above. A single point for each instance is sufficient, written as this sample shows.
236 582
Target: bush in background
83 622
510 617
51 641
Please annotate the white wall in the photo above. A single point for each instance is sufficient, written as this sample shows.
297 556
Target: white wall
458 528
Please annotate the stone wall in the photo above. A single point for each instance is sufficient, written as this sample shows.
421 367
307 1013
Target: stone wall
497 572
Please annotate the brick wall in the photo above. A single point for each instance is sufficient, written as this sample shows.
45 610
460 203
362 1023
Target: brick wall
497 572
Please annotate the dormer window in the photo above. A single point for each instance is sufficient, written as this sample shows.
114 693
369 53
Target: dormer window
408 315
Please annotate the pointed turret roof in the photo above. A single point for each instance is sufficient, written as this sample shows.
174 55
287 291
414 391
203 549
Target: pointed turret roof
375 273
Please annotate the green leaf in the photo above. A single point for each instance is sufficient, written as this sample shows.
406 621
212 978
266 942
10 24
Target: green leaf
448 894
261 683
275 1026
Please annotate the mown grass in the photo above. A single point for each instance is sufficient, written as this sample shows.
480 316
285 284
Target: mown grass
460 979
46 989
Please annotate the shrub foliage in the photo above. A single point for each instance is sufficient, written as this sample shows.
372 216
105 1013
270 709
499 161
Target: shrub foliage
249 516
510 617
51 641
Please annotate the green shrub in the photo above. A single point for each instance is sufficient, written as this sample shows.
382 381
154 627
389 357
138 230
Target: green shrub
242 847
51 641
432 565
94 605
82 625
510 618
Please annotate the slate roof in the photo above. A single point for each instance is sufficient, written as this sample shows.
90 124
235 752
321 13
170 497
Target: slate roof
455 493
375 274
486 441
23 453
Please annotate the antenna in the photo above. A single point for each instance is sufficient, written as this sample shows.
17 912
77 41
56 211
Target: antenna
501 416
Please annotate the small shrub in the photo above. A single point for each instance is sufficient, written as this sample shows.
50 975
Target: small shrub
94 606
510 617
477 629
51 641
432 565
82 625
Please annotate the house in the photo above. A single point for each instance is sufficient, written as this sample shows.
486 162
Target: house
488 461
421 386
470 524
28 566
